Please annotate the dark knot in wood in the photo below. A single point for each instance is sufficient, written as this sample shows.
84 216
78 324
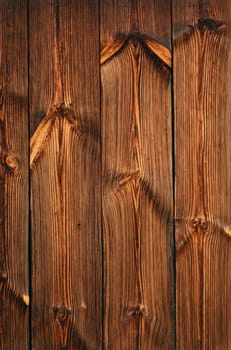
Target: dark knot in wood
199 225
61 313
135 311
209 23
63 111
3 275
11 162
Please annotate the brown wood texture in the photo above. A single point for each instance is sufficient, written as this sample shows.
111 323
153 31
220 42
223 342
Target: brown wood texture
65 174
120 146
137 178
14 198
202 96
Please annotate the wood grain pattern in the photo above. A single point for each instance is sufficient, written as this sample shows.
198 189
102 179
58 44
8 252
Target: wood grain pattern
202 80
65 175
137 186
14 199
103 172
156 48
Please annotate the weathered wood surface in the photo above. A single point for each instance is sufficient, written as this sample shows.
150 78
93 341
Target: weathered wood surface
202 96
137 178
14 198
103 168
65 174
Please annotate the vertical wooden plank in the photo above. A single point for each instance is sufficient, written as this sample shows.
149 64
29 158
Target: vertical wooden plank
137 185
14 199
202 96
65 174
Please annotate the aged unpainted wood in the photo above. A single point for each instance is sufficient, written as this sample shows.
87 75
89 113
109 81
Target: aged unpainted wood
14 199
65 175
202 95
137 178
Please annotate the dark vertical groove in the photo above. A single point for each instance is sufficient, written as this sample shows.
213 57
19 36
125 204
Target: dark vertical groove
173 177
57 20
101 167
29 185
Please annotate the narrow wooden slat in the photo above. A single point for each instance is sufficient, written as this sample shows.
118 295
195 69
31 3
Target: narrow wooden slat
202 96
14 199
137 184
65 175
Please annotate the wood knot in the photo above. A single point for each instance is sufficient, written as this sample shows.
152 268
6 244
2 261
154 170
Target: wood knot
211 24
199 225
126 178
134 38
61 313
134 311
11 162
62 111
137 39
3 275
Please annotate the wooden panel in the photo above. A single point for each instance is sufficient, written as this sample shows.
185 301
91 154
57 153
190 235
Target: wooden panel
14 199
202 98
137 185
65 175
